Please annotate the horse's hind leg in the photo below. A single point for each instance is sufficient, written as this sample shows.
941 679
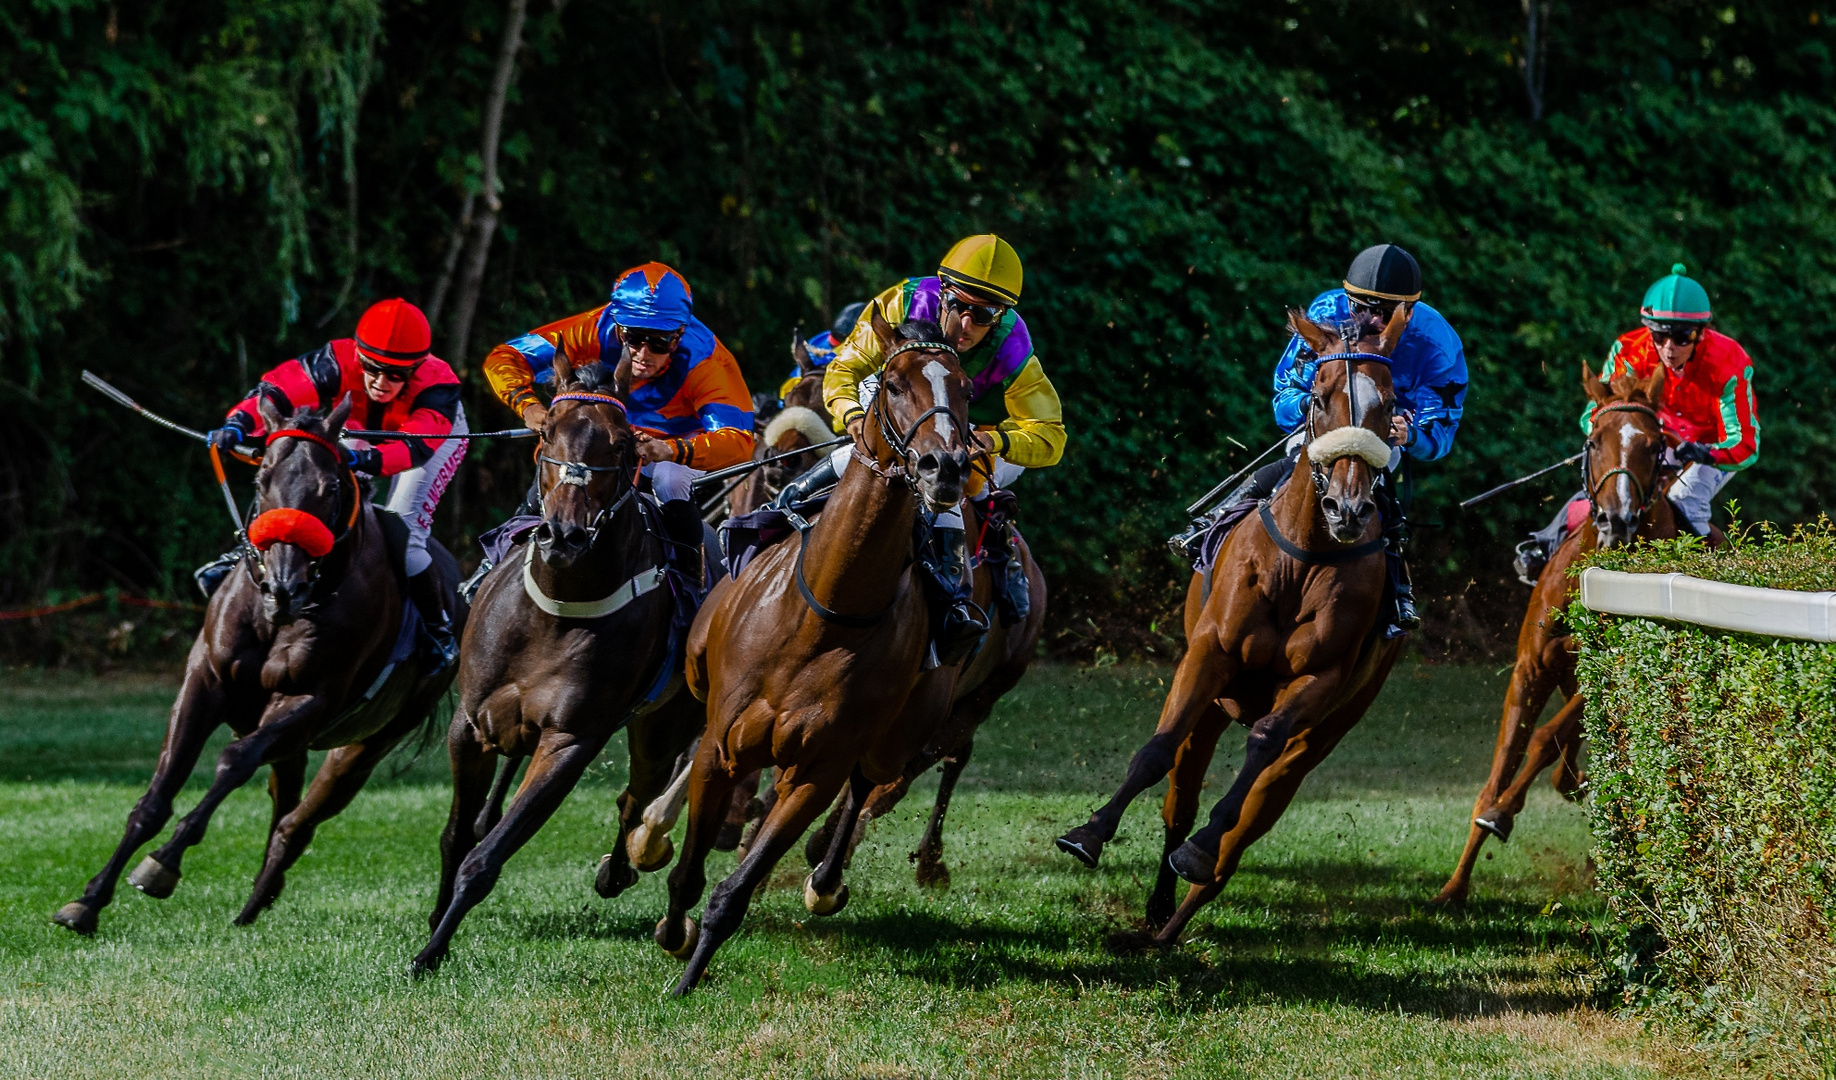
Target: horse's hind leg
554 769
824 893
195 714
340 777
738 806
1550 743
1180 810
932 873
1202 675
655 741
493 811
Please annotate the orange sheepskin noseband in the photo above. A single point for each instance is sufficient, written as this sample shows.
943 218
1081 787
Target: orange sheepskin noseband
286 525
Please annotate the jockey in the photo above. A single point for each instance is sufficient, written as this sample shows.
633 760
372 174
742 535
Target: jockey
1428 369
1708 405
822 347
398 385
688 401
973 297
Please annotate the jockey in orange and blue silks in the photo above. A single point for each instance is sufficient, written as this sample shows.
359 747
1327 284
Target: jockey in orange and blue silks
688 400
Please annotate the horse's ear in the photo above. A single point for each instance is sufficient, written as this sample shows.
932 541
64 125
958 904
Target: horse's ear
270 416
883 330
1596 389
801 353
621 376
1653 387
339 414
1317 337
564 371
1393 330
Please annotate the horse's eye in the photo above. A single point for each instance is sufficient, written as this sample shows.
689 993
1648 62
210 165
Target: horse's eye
895 389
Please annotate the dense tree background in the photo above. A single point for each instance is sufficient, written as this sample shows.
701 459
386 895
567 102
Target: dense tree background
191 192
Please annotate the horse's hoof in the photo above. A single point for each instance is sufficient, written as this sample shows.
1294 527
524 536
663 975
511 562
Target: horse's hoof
819 904
154 878
1083 845
691 934
933 874
1192 863
613 876
1576 793
650 850
1496 822
1128 942
78 916
1450 896
729 835
1159 909
425 964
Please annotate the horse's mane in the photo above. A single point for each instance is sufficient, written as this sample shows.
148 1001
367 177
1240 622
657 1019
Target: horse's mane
918 330
595 378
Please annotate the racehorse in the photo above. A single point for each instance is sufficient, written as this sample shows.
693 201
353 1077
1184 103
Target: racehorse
565 642
1624 478
810 660
299 651
1283 633
802 422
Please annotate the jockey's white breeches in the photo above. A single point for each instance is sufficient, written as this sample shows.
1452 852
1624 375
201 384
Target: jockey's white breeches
670 482
1692 492
414 494
1005 473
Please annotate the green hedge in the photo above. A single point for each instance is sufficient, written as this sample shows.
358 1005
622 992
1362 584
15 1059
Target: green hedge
1713 770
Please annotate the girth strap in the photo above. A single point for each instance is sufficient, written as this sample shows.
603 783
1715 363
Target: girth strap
644 582
1314 558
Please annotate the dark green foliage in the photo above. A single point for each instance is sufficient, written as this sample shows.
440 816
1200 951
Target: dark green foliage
1713 766
1174 174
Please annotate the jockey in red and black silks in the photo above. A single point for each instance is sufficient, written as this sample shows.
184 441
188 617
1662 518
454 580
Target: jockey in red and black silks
395 384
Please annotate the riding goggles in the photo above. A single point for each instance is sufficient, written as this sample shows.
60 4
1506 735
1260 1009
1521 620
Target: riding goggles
391 373
1372 303
1680 334
657 341
979 314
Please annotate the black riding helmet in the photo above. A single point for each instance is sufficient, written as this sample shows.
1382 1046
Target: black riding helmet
1382 276
844 322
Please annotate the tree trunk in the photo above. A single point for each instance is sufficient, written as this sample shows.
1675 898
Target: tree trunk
1536 53
478 252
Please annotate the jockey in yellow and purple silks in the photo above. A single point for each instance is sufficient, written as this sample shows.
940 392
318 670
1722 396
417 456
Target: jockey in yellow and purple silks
688 401
1013 406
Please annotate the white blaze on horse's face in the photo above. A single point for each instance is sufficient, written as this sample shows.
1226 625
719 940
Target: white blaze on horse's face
939 378
1366 395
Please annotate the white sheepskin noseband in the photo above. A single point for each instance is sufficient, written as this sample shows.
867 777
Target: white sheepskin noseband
1352 441
797 418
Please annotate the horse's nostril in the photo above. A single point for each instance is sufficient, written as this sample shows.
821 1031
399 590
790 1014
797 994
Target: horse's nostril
1330 505
928 463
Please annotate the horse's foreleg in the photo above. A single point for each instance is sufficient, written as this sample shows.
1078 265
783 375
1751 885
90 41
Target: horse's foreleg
709 787
340 777
1531 685
1180 810
195 714
931 869
554 769
1202 675
738 804
275 737
473 780
823 891
799 801
1548 745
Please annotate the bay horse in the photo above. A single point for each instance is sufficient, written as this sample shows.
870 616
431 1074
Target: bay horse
1284 634
295 655
802 422
565 642
811 659
1624 478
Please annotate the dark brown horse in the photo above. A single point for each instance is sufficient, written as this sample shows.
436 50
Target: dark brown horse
294 656
1625 479
1285 635
810 661
567 638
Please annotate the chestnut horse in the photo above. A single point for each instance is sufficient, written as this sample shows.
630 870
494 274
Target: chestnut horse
1287 632
567 637
294 656
811 660
1624 476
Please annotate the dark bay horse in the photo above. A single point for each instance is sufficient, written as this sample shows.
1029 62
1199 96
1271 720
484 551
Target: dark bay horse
810 660
566 639
1285 636
294 656
1625 479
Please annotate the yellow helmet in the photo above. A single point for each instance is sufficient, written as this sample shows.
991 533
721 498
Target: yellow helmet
985 264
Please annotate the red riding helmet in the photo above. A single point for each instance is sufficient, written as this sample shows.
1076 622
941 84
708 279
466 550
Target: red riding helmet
394 333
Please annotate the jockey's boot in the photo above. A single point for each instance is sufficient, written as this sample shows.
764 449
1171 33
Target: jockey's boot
819 478
425 590
1187 544
469 587
211 574
682 529
1016 591
964 623
1531 557
1403 615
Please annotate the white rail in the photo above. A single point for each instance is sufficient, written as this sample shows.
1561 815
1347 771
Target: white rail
1810 616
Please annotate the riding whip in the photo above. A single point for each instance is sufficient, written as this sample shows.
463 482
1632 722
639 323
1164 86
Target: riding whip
1507 486
507 433
1212 496
120 398
745 467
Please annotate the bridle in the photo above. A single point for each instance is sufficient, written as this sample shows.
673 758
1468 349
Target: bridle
580 474
1350 356
347 483
1593 487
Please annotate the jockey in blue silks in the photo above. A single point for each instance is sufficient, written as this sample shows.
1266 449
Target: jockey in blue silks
1428 369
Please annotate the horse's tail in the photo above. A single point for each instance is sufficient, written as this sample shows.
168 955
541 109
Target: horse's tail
434 722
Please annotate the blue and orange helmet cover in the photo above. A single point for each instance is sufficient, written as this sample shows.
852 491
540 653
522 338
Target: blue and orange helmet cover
652 296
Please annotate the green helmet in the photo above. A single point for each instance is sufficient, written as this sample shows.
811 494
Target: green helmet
1675 299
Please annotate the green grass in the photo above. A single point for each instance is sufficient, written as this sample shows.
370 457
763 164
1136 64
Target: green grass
1323 958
